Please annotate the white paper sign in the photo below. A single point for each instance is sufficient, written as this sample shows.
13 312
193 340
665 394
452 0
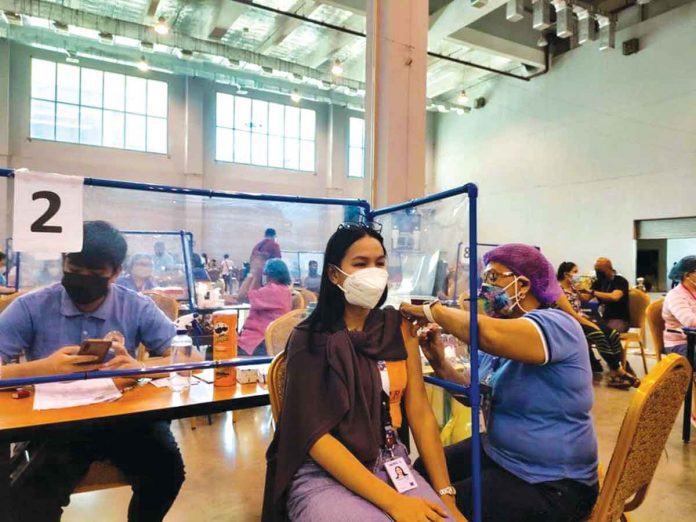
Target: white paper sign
47 212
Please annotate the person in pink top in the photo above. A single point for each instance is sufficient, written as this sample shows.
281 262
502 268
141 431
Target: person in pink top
268 302
679 308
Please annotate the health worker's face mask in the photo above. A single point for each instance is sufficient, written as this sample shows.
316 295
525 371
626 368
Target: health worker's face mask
364 288
85 288
576 279
496 301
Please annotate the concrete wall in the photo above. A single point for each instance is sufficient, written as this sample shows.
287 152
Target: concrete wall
569 160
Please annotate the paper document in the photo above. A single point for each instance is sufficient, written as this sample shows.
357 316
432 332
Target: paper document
54 395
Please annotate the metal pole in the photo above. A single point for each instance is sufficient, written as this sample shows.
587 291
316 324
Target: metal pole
473 352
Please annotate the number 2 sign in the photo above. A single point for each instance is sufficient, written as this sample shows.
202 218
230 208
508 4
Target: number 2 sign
47 212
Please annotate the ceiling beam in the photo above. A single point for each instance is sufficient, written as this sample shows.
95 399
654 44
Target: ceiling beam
498 46
227 14
455 16
287 25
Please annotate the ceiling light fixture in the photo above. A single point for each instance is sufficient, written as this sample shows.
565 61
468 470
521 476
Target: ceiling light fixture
162 27
60 27
337 68
12 18
295 96
463 98
142 65
106 38
71 57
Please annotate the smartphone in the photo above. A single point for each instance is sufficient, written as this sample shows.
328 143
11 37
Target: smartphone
98 347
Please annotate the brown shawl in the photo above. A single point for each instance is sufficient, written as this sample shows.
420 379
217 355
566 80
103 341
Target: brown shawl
332 386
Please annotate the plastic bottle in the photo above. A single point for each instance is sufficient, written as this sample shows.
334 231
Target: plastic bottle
182 346
225 346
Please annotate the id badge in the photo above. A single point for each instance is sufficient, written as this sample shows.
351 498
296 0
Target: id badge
400 475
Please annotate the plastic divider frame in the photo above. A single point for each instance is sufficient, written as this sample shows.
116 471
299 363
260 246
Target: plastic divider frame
471 190
135 372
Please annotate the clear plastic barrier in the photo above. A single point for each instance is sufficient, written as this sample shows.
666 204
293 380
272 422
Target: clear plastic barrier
423 244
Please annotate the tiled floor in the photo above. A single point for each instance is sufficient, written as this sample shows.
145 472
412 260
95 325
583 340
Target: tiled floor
225 470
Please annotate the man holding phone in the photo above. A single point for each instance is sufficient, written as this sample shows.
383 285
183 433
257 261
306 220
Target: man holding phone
49 325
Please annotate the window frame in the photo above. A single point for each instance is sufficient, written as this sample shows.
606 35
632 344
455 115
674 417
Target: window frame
102 108
268 135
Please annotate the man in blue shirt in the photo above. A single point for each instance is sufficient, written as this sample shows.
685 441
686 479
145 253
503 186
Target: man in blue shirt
49 325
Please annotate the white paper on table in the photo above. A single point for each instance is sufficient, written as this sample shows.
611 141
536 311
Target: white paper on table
54 395
160 383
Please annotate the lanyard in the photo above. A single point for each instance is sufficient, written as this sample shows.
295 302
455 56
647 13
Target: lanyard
389 436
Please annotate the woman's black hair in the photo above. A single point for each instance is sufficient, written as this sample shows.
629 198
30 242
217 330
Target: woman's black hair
563 269
331 303
197 261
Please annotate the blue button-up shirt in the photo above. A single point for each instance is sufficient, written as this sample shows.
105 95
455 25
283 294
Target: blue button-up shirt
43 321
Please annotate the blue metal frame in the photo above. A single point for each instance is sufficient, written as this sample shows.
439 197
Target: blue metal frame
471 190
168 189
135 372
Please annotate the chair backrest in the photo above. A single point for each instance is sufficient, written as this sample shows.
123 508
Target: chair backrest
653 316
308 295
646 426
6 300
298 300
278 332
166 303
638 301
276 383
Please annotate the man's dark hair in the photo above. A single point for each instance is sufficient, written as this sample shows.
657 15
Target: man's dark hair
226 256
270 232
102 246
2 256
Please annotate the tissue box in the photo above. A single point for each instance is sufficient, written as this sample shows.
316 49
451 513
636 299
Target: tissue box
247 374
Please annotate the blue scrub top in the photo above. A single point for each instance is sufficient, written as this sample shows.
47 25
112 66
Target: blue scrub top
43 321
540 427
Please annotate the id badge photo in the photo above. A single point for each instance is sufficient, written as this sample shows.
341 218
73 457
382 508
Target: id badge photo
400 475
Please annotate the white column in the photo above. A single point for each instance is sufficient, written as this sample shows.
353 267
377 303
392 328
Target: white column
396 75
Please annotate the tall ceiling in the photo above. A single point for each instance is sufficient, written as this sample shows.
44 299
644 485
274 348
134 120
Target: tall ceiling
254 45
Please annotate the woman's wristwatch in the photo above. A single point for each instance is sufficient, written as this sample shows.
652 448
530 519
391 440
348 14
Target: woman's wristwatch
449 490
427 310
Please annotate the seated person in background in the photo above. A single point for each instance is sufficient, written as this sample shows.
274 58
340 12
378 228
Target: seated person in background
50 273
49 325
268 302
679 308
313 280
607 340
139 277
611 290
350 367
253 278
267 247
163 261
4 289
200 274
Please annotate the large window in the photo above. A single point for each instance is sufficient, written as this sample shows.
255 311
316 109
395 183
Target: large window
356 148
79 105
263 133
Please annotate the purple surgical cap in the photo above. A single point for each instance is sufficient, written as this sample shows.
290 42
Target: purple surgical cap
527 261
